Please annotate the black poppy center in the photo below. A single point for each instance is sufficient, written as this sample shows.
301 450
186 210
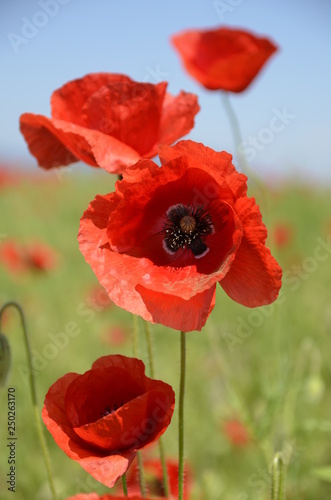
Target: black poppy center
110 409
187 226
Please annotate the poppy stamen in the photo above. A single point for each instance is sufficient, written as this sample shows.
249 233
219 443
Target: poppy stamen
187 227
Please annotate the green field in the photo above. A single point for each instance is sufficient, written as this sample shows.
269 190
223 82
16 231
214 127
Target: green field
268 367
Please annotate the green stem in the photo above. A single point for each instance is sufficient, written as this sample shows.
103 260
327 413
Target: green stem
181 416
237 137
33 392
278 478
124 485
160 440
141 476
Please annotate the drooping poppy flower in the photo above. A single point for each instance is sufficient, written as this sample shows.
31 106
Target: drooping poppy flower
154 479
223 58
236 432
101 418
20 257
166 236
107 120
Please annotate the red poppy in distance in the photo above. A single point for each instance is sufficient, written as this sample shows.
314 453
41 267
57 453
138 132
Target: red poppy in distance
223 58
154 479
160 243
236 432
95 496
101 418
107 120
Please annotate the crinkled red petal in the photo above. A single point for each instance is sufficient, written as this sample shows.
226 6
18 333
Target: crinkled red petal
177 116
67 101
255 277
129 111
56 143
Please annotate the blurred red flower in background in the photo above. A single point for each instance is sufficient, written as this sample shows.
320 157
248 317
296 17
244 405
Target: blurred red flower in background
115 335
107 120
101 418
236 432
166 236
95 496
223 58
20 257
154 479
282 234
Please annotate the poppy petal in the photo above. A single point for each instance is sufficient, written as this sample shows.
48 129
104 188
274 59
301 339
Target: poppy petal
130 112
177 116
255 277
63 142
67 101
177 313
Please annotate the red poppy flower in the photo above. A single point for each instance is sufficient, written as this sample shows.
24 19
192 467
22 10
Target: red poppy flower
223 58
282 234
162 241
236 432
154 479
95 496
101 418
24 257
107 120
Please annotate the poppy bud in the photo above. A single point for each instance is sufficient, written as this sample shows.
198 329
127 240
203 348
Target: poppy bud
5 359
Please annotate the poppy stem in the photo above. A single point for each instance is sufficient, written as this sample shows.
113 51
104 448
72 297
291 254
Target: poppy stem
33 392
181 416
160 440
278 478
141 475
124 485
237 137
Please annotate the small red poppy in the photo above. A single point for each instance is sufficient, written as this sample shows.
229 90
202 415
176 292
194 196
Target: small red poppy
223 58
107 120
236 432
162 241
282 234
19 257
154 479
95 496
101 418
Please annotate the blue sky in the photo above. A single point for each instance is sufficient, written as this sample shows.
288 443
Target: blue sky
45 43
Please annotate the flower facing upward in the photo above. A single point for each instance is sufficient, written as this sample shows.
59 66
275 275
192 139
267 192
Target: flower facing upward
160 243
101 418
107 120
223 58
